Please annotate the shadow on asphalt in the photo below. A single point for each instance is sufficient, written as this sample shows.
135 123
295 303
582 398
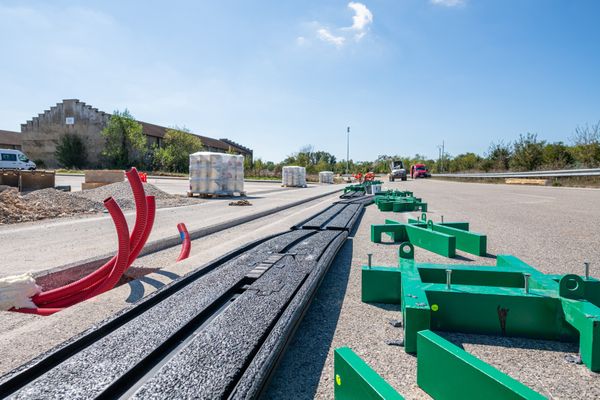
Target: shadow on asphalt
137 291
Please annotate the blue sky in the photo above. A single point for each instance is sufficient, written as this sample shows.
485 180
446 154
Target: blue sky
278 75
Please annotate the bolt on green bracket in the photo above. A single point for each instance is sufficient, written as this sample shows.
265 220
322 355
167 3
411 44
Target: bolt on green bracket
447 372
354 379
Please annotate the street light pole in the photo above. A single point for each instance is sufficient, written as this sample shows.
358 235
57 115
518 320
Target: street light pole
347 150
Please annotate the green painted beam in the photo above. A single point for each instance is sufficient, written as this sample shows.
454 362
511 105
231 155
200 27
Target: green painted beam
585 317
416 314
355 380
470 242
446 372
436 242
381 285
499 311
396 231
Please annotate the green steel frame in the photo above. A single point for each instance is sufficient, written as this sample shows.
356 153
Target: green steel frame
354 379
511 298
441 238
361 187
443 369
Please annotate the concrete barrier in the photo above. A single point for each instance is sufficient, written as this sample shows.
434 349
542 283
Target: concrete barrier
35 180
104 176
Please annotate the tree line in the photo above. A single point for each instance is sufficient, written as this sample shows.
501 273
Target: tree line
527 153
126 145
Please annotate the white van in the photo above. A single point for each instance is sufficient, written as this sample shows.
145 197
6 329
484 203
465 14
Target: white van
15 159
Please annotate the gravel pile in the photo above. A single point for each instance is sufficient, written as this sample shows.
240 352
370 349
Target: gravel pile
46 203
52 203
123 195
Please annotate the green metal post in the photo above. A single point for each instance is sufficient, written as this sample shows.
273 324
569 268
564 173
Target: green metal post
355 380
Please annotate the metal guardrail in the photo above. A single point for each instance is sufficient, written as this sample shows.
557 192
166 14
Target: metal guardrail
529 174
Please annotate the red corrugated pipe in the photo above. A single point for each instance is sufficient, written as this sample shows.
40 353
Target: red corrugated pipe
122 258
96 277
88 292
186 246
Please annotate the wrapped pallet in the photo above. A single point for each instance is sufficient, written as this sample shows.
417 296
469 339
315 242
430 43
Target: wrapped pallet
293 176
326 177
216 174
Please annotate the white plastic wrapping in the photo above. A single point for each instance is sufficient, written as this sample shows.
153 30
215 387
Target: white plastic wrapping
16 291
216 173
326 177
293 176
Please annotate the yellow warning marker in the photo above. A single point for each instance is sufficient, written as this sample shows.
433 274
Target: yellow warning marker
434 307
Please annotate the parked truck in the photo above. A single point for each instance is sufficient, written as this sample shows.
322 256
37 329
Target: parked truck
397 171
419 171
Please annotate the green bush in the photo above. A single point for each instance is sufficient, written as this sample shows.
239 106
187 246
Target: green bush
125 141
528 153
174 156
70 151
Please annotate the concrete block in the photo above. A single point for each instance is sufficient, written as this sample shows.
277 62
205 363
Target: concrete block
104 176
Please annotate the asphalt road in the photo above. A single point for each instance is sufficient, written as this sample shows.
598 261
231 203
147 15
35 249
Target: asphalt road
553 229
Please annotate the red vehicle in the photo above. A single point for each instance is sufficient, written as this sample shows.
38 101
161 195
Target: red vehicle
419 171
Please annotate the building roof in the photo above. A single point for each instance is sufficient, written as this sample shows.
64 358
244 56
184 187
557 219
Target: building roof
11 138
152 130
160 131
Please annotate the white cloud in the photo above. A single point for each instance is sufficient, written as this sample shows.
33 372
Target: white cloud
448 3
363 17
301 41
327 36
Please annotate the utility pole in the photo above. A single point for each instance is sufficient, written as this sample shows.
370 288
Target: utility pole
439 165
347 150
443 155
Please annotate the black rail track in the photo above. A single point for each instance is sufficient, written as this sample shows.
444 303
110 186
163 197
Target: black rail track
215 333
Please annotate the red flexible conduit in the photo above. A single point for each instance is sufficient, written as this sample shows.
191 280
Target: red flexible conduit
98 276
87 293
186 246
122 257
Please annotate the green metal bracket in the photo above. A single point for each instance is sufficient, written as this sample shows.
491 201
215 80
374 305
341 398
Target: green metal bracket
469 242
354 379
446 372
510 299
440 238
431 240
399 202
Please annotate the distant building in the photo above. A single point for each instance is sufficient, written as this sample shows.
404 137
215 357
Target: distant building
41 134
10 140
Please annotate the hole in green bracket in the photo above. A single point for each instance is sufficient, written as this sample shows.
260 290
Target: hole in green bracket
406 251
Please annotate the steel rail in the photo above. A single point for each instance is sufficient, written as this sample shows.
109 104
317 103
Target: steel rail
528 174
